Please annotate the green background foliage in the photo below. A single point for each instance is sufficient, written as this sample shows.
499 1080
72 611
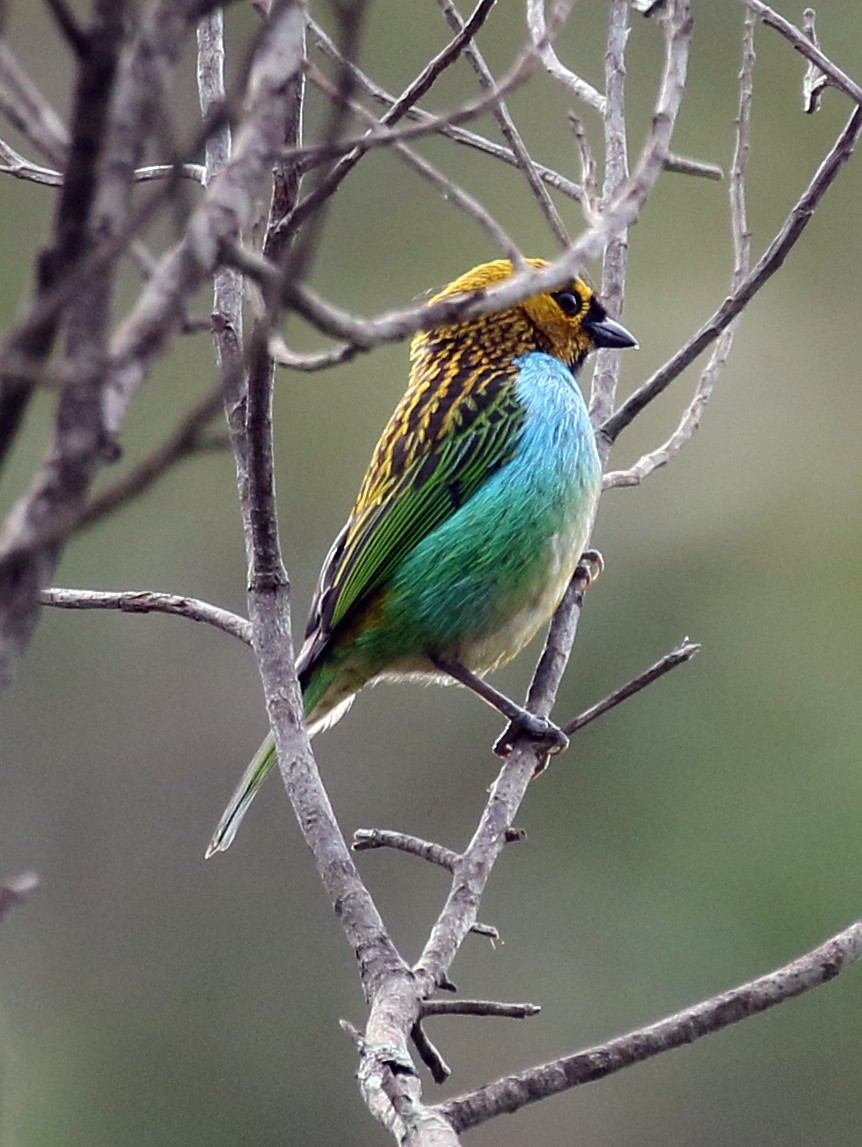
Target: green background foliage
702 834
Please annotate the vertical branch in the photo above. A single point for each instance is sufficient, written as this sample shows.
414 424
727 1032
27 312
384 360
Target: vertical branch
60 488
615 263
277 95
227 325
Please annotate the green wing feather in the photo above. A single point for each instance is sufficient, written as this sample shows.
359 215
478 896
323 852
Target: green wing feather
433 456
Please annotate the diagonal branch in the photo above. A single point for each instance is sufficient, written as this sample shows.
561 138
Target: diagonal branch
451 131
806 48
788 235
507 124
413 92
513 1092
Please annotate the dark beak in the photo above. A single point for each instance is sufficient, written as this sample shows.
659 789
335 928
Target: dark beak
606 333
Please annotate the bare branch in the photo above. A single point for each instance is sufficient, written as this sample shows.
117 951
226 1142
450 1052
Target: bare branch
150 601
690 421
623 210
513 1092
788 235
415 91
682 165
479 1008
679 656
538 28
445 128
806 48
606 372
365 839
449 189
507 126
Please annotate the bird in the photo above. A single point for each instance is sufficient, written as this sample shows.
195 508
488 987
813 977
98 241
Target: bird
471 518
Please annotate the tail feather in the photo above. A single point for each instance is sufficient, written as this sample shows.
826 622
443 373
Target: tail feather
244 794
265 758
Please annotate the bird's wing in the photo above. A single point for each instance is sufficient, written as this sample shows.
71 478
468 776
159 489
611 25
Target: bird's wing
433 456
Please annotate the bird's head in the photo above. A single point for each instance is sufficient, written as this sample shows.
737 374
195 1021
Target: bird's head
568 323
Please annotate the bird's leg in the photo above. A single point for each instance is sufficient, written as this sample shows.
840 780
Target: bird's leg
590 567
539 727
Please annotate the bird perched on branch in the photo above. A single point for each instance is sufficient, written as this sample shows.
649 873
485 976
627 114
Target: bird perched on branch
471 519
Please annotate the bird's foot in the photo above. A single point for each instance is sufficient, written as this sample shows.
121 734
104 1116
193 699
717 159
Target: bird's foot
590 567
545 733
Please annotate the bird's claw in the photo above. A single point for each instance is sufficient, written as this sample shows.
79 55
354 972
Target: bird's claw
539 729
590 567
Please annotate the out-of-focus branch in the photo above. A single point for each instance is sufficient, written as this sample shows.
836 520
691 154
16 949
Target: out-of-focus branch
15 888
91 203
186 440
150 601
29 112
513 1092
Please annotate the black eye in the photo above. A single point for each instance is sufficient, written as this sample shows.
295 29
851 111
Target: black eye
569 302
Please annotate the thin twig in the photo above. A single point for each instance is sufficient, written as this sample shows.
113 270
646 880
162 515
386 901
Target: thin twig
479 1008
458 134
507 124
150 601
428 1053
806 48
589 170
443 183
741 236
365 839
513 1092
815 81
683 652
282 355
538 28
786 238
683 165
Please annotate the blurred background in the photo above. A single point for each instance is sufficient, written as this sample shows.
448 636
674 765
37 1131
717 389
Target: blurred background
702 834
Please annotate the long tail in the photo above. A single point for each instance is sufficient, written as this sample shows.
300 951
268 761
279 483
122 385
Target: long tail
244 794
265 758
